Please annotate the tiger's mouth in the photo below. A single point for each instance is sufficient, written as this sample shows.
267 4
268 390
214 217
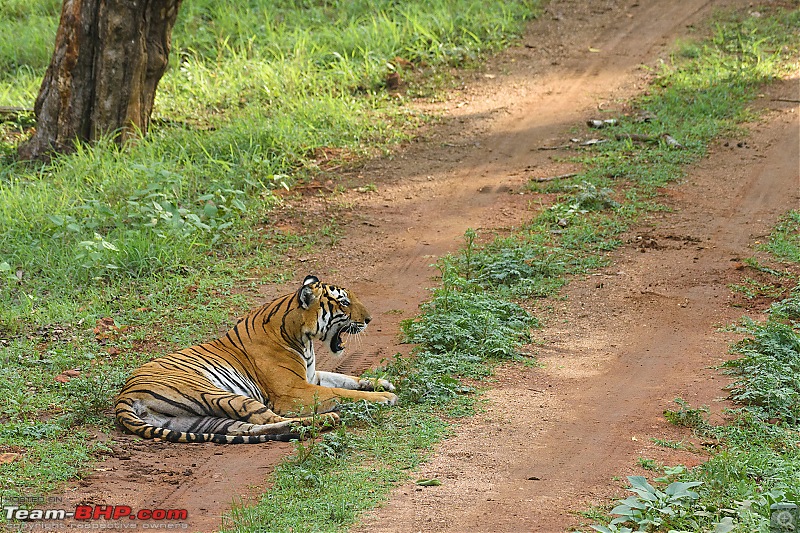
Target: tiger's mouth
337 340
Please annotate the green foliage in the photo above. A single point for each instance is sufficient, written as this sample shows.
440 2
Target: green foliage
93 393
350 470
654 508
612 528
516 265
784 241
768 371
37 21
461 332
589 197
461 322
751 288
664 443
255 90
788 309
687 416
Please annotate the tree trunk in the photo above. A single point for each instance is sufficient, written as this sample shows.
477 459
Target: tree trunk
109 57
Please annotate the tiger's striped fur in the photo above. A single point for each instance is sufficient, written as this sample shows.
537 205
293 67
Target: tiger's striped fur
242 387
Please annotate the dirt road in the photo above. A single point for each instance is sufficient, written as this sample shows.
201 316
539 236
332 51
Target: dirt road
623 344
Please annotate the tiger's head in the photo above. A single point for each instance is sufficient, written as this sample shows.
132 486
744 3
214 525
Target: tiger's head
337 312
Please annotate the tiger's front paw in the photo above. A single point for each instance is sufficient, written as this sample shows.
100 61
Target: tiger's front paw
329 419
375 385
385 398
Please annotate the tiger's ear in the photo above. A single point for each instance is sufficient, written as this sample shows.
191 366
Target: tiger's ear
306 293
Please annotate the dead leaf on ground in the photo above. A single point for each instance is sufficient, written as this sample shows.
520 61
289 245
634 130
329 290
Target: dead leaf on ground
6 458
107 328
67 375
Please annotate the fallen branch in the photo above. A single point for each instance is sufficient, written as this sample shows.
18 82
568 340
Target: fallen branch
10 110
312 187
669 139
635 137
590 142
561 147
597 124
559 177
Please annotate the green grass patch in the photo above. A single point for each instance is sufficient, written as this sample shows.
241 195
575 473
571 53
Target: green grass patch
254 92
346 472
784 242
768 371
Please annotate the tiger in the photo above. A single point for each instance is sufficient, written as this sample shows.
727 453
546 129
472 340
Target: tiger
257 383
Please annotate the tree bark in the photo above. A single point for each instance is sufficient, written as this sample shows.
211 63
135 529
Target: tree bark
109 57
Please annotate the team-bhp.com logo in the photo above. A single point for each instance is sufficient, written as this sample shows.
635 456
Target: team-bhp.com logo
95 512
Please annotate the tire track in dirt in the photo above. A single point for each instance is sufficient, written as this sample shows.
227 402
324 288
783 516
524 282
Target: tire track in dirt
470 171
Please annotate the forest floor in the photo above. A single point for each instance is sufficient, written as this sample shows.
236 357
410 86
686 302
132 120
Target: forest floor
619 345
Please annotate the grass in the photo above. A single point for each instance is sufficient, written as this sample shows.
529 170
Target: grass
784 242
349 471
315 80
111 257
768 371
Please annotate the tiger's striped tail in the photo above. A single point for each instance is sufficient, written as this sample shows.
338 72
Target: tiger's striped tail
128 419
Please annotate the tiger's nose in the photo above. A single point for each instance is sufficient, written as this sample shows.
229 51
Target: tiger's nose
368 320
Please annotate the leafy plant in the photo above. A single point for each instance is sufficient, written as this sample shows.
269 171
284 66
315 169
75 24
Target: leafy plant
768 373
461 331
7 272
648 464
523 268
611 528
97 254
751 288
784 241
92 392
464 325
310 436
687 416
651 507
665 443
590 197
